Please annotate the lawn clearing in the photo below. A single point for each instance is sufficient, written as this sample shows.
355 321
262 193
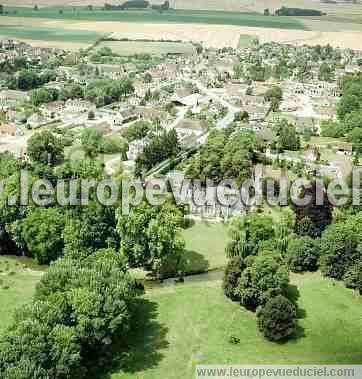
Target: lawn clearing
181 326
156 48
18 278
205 245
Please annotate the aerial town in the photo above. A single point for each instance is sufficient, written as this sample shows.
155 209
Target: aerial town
95 289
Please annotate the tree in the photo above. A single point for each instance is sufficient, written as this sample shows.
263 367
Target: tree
238 152
340 247
91 228
265 277
241 116
147 78
1 9
91 140
312 219
287 136
247 233
137 130
266 12
351 96
80 306
325 72
277 319
36 7
302 254
332 129
42 231
43 95
150 238
274 93
232 273
356 138
162 146
45 148
353 277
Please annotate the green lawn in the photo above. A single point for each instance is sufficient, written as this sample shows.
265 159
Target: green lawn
184 325
150 16
18 278
205 244
49 34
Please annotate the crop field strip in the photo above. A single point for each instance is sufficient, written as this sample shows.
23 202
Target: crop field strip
171 16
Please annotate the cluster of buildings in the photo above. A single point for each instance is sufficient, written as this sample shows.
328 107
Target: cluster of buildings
190 94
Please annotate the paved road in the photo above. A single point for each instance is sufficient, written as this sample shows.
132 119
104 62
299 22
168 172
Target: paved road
229 118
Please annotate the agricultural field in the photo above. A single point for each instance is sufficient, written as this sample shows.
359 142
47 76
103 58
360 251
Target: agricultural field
184 325
18 278
150 16
73 36
129 48
246 40
226 5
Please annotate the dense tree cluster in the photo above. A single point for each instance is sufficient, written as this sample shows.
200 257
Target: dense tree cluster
287 137
340 247
137 130
162 145
285 11
28 79
261 252
224 156
94 142
80 306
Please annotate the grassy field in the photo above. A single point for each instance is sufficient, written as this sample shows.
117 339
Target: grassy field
128 48
181 326
205 244
149 16
18 278
246 40
49 34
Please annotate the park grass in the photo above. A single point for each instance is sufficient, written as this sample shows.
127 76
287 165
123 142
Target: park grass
150 16
205 245
49 34
178 327
18 279
156 48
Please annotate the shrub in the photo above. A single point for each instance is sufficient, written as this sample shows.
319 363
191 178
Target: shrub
277 319
232 274
302 254
353 277
264 278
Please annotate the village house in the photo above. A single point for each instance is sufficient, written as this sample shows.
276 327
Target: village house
12 98
343 148
313 154
52 110
36 120
10 130
135 148
79 106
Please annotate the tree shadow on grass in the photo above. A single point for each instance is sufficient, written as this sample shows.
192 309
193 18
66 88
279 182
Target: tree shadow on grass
293 295
145 342
195 262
